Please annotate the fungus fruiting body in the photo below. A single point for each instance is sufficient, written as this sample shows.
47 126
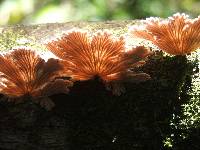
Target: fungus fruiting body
24 73
86 57
177 35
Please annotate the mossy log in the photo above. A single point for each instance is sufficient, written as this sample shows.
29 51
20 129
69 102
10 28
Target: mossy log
90 117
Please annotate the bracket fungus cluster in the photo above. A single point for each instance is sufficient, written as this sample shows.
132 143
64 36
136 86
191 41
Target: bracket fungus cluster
101 56
177 35
24 74
83 56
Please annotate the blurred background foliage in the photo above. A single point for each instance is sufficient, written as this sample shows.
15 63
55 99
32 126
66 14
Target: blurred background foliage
47 11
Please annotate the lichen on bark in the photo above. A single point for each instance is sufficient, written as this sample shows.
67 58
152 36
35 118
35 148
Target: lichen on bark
34 36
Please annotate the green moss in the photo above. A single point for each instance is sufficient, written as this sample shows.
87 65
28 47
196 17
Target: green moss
14 37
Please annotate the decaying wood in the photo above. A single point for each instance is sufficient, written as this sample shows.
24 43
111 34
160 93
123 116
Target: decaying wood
89 117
